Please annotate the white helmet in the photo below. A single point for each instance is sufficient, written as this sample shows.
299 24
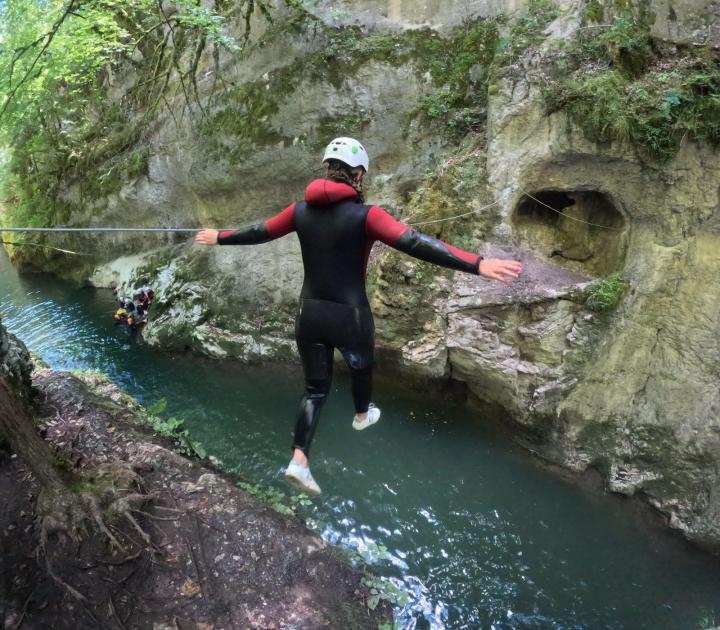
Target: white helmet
348 151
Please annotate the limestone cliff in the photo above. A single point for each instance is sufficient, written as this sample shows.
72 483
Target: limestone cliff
632 392
559 130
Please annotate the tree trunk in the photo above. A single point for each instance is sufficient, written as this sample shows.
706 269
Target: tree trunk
18 428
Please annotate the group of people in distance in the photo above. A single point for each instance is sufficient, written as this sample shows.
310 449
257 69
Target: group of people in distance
134 312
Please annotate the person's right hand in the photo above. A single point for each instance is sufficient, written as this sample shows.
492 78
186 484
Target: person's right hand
497 269
207 237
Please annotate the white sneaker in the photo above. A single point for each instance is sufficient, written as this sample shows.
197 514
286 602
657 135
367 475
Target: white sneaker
301 479
373 415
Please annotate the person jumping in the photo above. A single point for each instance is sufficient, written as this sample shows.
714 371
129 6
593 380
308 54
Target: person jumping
337 230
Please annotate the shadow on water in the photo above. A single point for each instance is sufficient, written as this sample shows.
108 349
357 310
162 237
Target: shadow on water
477 533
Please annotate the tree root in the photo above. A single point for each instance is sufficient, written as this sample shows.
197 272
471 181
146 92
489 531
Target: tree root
20 620
59 581
91 504
123 506
96 513
103 495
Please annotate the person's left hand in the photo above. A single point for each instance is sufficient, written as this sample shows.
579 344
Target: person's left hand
499 269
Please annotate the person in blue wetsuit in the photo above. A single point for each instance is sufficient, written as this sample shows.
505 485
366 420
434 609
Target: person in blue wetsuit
337 230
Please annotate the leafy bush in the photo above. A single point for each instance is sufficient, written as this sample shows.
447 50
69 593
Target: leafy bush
627 45
604 295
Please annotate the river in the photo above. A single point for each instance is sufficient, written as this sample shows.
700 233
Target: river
464 521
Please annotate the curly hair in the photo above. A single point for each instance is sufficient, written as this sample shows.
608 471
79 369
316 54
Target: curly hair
340 172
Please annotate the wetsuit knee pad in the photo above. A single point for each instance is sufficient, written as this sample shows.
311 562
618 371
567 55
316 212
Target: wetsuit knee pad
359 360
317 388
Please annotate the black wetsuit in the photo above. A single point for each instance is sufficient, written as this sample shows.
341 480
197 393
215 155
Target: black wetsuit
127 304
336 234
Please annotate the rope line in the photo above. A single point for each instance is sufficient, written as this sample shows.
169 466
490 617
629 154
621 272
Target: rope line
98 229
542 203
458 216
95 230
57 249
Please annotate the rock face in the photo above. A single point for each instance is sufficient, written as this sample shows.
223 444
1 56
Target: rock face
642 387
218 301
691 21
632 391
251 156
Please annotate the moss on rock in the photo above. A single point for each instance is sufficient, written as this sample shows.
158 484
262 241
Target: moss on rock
621 86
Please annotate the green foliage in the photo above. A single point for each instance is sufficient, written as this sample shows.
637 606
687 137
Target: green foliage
627 45
597 103
57 61
137 163
454 190
380 588
174 429
52 65
463 65
383 589
594 11
156 408
52 56
527 31
604 295
347 48
276 499
615 90
460 67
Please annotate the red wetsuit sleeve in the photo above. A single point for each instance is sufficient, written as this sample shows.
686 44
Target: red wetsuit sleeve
279 225
381 226
282 223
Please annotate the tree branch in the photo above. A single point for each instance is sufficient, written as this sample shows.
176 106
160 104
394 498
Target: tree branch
50 36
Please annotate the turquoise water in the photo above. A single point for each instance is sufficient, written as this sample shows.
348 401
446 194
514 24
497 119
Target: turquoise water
465 522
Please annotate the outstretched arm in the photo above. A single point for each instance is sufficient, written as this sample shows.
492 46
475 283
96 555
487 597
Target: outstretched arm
280 225
383 227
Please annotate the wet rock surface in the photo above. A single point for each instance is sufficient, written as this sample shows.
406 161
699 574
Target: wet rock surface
216 557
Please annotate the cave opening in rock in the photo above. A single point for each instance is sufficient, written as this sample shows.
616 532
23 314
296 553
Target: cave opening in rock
578 229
